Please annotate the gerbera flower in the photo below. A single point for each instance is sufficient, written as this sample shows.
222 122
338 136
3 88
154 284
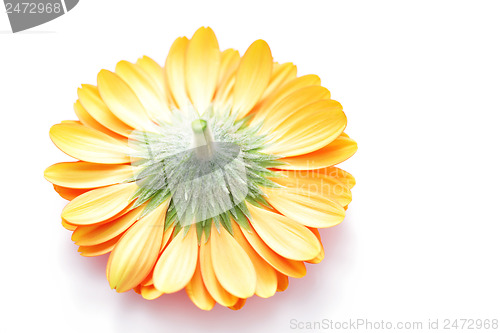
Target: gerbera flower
211 174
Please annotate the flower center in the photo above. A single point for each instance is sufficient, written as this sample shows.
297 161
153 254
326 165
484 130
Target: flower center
208 166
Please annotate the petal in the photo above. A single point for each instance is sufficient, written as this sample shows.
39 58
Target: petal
224 95
333 153
219 294
252 77
285 236
156 74
99 205
150 292
319 258
317 182
268 103
293 103
88 144
154 71
306 207
148 281
99 249
341 175
266 275
230 60
90 99
282 73
282 282
72 122
177 264
174 69
202 68
166 237
238 304
122 101
87 120
308 129
68 226
232 266
69 193
197 291
137 251
86 175
164 242
145 89
291 268
96 234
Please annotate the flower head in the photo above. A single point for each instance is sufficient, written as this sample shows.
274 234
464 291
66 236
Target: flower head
211 174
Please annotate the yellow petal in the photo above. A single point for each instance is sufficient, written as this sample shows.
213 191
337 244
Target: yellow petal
232 266
99 205
197 291
91 100
227 76
174 69
338 174
266 275
265 107
308 129
87 175
238 304
202 68
68 226
224 95
282 73
145 89
292 268
315 181
219 294
148 281
285 236
150 292
122 101
176 266
166 237
252 77
293 103
87 120
157 75
99 249
308 208
100 233
335 152
154 71
137 251
282 282
319 258
230 59
88 144
70 193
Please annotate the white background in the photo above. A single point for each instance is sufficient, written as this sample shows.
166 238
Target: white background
420 84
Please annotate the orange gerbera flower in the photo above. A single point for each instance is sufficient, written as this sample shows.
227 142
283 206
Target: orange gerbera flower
211 174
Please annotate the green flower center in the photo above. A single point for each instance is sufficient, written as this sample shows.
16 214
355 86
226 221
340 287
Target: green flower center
208 166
